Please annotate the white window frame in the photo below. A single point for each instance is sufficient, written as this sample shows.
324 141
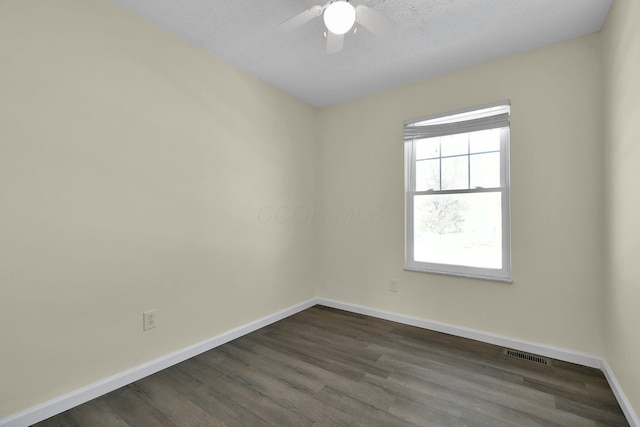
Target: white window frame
503 274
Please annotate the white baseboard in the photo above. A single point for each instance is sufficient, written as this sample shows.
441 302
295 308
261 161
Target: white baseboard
77 397
84 394
516 344
529 347
624 403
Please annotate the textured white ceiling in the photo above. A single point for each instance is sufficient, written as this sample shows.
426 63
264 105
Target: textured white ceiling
432 37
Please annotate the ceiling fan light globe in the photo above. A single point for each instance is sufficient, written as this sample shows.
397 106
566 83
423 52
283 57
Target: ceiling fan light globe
339 17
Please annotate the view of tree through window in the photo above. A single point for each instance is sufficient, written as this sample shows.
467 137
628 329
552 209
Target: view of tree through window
457 198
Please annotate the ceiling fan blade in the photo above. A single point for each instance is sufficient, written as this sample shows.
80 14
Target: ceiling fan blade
335 42
301 18
374 21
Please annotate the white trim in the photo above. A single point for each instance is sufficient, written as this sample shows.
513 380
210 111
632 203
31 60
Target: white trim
497 119
474 334
624 403
84 394
504 102
77 397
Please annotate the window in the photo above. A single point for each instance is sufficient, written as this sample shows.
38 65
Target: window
457 193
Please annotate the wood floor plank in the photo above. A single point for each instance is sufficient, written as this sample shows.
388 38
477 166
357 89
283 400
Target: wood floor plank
268 398
292 378
209 390
128 403
312 357
499 403
159 392
344 385
367 414
289 395
465 380
327 367
435 406
66 419
421 356
97 413
338 355
595 413
340 343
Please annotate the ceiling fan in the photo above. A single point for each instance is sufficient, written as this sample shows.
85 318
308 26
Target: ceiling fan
340 17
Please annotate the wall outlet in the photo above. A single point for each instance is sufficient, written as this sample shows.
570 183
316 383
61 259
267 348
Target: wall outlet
393 285
148 320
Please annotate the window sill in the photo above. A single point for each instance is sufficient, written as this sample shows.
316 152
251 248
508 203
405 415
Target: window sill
466 276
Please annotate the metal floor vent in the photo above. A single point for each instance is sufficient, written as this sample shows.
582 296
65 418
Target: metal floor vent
526 356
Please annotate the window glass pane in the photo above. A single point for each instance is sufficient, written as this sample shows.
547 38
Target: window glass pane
453 145
460 229
484 140
455 173
485 170
428 175
427 148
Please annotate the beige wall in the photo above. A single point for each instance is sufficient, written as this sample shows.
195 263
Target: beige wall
557 214
621 41
133 168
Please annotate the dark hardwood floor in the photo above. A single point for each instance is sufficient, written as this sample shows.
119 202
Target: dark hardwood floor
326 367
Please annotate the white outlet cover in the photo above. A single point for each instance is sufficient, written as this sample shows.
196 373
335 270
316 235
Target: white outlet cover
148 320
